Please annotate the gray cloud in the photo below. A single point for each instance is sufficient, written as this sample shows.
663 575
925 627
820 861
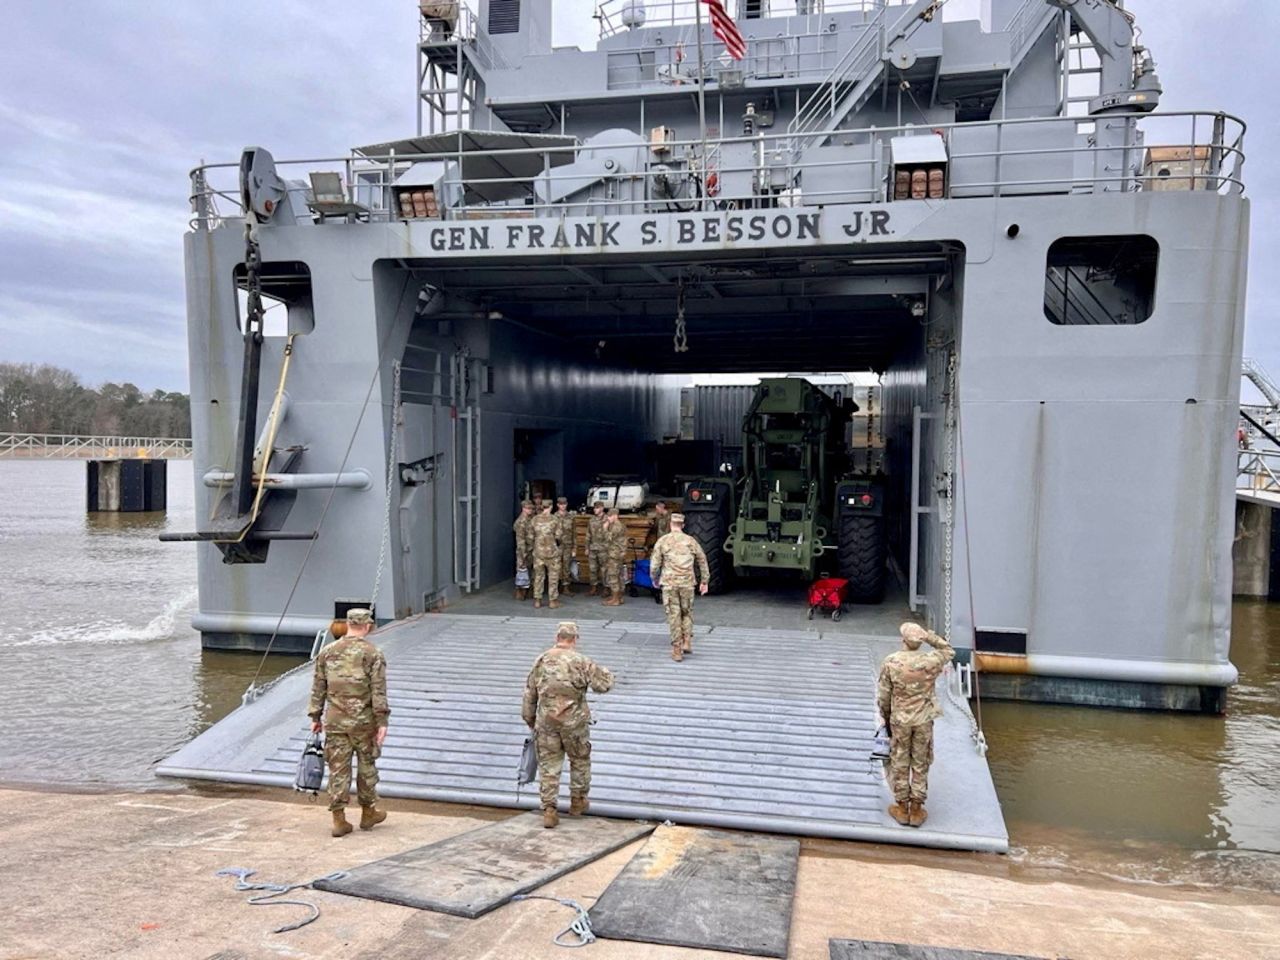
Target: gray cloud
105 107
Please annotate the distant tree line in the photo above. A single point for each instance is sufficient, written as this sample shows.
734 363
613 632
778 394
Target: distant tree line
45 399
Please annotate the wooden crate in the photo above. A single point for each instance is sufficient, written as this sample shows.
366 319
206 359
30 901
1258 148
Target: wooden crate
637 527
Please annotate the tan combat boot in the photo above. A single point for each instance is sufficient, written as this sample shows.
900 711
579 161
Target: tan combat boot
594 591
617 596
567 589
519 594
554 605
688 645
918 815
340 826
550 818
537 603
901 812
578 805
611 599
370 817
677 654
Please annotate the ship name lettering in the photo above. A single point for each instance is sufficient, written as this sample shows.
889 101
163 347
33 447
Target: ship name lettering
876 222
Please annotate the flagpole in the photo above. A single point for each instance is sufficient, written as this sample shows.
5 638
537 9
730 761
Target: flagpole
702 106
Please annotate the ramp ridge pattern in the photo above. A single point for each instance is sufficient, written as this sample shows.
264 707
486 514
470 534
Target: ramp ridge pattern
759 729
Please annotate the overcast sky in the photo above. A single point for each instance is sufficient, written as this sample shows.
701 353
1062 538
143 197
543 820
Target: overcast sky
104 108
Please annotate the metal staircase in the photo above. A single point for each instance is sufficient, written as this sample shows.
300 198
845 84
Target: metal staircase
856 76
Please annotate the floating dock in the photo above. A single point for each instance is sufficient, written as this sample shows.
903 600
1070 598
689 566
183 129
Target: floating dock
760 729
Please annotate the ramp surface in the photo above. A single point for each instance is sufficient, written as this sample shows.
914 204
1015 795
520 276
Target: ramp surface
766 730
877 950
704 889
478 871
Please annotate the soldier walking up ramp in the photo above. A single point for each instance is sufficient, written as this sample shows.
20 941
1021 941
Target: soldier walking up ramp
766 730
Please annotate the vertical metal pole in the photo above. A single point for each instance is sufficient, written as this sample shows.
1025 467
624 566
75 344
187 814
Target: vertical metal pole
914 559
702 104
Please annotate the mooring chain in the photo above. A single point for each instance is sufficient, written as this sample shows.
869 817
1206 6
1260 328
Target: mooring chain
397 415
253 283
681 339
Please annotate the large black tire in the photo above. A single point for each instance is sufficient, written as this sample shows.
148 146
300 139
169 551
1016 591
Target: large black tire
710 530
861 556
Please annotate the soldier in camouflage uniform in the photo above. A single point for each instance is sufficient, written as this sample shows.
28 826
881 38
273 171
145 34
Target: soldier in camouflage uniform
661 524
565 519
523 529
351 679
905 696
546 557
671 566
597 552
615 545
555 708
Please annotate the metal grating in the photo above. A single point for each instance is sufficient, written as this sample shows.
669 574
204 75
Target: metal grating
504 17
759 729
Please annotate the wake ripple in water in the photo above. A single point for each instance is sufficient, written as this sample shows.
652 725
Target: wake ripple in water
159 627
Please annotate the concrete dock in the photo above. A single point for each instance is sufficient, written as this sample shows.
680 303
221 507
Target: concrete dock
132 875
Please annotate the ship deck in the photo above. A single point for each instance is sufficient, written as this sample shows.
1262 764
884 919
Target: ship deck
767 726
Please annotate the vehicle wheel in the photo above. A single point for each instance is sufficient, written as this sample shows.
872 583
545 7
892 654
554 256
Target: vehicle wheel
811 613
836 614
862 557
708 527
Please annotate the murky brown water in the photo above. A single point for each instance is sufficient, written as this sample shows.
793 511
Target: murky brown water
101 676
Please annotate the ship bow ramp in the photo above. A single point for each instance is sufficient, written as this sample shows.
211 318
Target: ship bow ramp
767 730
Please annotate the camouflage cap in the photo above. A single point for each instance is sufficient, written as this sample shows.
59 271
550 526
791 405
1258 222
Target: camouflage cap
912 634
526 503
567 628
613 512
359 615
563 500
677 518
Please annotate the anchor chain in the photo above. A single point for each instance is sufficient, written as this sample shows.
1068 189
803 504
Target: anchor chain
397 420
681 338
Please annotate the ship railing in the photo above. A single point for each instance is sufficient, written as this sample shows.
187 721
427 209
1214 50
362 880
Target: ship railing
465 30
1258 470
806 55
56 446
759 172
678 13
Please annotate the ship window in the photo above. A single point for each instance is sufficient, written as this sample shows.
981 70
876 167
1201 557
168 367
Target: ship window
286 298
1101 281
504 17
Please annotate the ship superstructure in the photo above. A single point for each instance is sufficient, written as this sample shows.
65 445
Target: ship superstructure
1047 271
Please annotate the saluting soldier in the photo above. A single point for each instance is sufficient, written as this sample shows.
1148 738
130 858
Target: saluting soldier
555 708
909 705
350 691
565 519
615 541
523 529
672 567
546 557
597 550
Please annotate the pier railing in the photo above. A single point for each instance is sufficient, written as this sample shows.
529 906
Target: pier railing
60 446
1025 156
1258 470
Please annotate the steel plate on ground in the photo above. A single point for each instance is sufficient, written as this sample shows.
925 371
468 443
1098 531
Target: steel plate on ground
706 889
877 950
478 871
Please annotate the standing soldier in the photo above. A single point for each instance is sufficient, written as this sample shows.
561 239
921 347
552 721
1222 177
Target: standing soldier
555 708
546 557
661 524
615 541
565 519
351 678
523 529
597 551
671 566
905 696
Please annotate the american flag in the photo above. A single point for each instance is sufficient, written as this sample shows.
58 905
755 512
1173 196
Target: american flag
726 30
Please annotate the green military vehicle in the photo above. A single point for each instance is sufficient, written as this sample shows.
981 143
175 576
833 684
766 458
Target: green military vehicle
796 509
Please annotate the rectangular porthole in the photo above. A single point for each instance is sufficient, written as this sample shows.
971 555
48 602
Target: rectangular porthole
1101 281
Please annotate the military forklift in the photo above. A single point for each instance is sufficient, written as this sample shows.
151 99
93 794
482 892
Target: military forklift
798 509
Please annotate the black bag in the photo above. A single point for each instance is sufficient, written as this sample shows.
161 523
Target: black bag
528 771
310 767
